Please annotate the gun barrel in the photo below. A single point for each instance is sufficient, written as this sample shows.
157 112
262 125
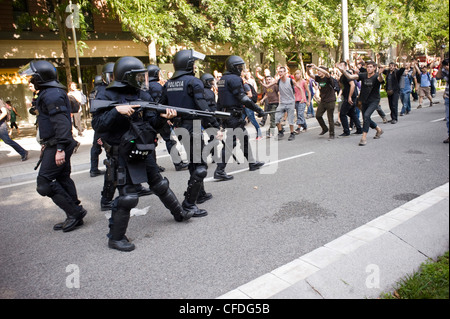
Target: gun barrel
99 104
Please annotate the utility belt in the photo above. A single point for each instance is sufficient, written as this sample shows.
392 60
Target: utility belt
49 142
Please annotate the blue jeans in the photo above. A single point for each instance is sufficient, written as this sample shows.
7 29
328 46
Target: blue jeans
300 107
405 97
310 110
8 141
446 112
251 116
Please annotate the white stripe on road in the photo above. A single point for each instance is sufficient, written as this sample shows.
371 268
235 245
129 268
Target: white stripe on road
438 120
210 179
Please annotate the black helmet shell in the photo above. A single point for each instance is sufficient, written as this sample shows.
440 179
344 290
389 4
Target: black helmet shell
183 62
124 68
43 74
153 72
206 79
235 64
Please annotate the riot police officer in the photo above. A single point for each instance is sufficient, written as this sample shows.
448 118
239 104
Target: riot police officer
232 98
55 131
184 90
155 89
131 135
100 83
109 187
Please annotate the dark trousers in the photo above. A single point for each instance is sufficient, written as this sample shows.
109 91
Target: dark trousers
96 150
367 110
231 124
327 107
349 110
55 181
393 104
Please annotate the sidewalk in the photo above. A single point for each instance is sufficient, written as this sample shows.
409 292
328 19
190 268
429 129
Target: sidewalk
365 262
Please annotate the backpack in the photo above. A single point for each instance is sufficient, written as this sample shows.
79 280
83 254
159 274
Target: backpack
74 104
335 85
254 93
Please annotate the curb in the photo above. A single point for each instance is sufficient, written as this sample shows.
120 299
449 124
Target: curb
347 267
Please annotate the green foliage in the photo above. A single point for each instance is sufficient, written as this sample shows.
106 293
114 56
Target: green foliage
430 282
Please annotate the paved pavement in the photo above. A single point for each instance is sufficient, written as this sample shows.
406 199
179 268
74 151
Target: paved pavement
363 263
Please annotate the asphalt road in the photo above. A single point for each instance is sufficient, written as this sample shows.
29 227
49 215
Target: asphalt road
313 191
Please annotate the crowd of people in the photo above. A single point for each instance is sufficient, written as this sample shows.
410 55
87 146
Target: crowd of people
329 89
128 131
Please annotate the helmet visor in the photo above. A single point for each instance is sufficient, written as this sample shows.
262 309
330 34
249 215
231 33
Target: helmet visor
138 79
27 70
239 68
107 77
197 55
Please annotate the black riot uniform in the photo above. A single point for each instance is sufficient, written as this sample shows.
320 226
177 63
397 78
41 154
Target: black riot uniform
155 89
210 97
55 130
184 90
109 186
130 162
232 98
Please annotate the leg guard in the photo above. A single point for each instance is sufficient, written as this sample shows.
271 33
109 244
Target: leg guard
194 186
120 215
170 201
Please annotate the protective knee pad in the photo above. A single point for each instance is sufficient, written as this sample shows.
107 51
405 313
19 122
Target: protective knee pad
199 173
161 187
44 187
127 201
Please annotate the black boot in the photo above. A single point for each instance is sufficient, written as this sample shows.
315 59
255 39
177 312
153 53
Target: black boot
105 204
74 212
59 226
254 166
191 195
181 166
118 228
203 196
74 220
220 173
143 191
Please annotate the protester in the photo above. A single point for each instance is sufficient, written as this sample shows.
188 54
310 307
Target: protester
4 114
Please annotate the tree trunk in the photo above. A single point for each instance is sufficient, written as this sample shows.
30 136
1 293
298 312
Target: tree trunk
57 4
152 52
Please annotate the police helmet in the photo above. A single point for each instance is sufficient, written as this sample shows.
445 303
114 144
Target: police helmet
98 80
235 64
184 60
107 72
43 74
153 72
208 80
130 71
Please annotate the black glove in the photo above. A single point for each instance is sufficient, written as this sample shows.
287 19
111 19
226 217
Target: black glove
261 113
